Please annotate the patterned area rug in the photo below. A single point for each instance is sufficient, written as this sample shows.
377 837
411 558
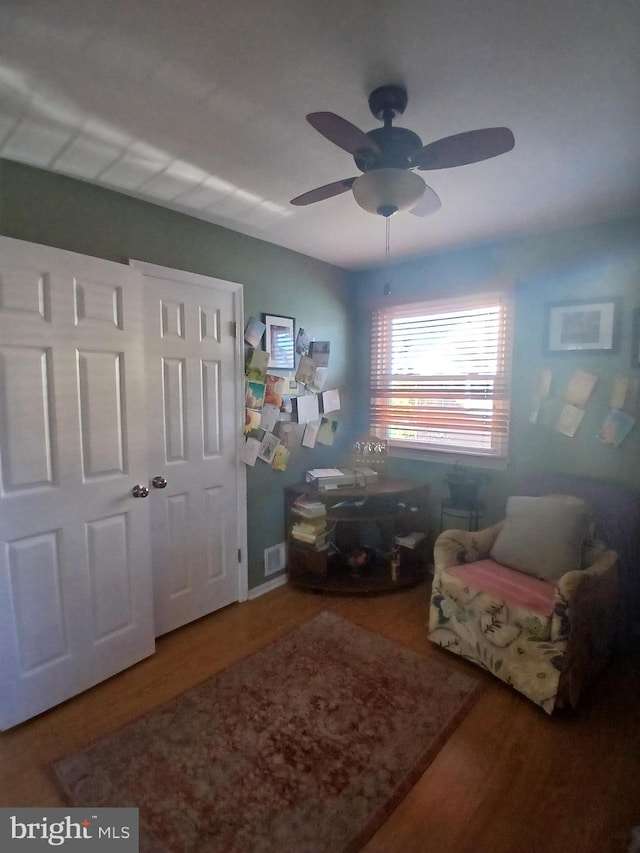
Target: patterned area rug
306 746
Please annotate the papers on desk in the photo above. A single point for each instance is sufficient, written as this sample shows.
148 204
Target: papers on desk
330 478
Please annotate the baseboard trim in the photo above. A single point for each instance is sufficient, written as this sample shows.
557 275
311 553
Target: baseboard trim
257 591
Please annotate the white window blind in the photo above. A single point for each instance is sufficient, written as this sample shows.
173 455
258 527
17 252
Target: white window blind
441 372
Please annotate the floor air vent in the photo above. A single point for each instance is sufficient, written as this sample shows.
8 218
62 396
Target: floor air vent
274 559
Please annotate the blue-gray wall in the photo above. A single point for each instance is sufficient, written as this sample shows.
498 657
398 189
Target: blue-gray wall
588 262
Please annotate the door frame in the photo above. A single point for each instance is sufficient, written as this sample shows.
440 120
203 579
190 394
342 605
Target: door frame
236 289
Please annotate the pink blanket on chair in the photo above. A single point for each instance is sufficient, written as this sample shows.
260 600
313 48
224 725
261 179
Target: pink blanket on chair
507 584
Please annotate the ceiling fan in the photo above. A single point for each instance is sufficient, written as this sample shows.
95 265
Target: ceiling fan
388 155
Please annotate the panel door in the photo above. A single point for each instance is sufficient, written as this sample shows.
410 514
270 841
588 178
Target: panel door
75 570
197 519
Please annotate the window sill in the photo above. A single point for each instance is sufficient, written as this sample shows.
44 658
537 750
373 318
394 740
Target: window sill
468 459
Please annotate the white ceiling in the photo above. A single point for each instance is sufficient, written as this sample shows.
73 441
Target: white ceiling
200 105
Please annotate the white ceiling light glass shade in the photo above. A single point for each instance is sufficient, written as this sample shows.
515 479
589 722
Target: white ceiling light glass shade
387 191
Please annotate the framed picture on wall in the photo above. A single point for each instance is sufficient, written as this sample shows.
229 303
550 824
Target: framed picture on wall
635 339
279 341
583 325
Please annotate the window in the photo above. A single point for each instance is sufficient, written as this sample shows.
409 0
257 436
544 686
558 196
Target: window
440 374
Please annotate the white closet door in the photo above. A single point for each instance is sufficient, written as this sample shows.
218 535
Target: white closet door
194 381
75 567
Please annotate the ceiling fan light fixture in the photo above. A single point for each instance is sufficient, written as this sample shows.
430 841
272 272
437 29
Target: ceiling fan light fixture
388 191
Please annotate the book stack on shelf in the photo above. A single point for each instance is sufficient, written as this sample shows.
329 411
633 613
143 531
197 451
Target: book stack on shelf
310 526
410 540
413 551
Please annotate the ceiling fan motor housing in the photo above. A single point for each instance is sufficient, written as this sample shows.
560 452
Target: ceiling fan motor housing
397 144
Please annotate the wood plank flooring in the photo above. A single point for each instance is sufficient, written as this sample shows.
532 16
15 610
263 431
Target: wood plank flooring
509 778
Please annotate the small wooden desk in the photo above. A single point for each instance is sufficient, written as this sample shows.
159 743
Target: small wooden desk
367 517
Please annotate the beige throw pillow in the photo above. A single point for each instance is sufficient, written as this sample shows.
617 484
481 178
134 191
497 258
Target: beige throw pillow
543 536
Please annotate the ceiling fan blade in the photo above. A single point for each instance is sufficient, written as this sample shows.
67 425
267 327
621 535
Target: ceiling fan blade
342 133
463 148
320 193
428 204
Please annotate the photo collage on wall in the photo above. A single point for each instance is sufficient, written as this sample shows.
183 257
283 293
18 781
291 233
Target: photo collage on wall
286 404
594 326
564 413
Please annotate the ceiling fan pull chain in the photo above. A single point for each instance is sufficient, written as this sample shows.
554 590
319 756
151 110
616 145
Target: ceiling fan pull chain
387 247
388 238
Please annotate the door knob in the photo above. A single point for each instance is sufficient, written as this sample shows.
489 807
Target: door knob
159 483
140 491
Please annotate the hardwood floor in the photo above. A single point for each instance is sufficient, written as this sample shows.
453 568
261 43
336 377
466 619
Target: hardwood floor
509 778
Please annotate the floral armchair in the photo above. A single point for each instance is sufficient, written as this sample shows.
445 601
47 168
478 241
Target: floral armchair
547 627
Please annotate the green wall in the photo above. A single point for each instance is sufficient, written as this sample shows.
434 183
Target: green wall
42 207
579 263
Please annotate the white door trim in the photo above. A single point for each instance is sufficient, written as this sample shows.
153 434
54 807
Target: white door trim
236 289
